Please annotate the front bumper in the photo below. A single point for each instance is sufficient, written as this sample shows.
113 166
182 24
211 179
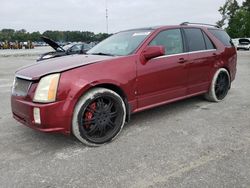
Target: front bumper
55 117
243 48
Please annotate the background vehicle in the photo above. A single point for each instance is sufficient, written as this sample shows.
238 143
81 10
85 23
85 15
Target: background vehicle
93 95
70 49
244 44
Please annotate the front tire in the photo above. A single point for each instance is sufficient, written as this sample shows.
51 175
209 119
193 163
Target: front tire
99 117
219 87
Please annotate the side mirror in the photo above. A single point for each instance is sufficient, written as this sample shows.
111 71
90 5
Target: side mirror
153 51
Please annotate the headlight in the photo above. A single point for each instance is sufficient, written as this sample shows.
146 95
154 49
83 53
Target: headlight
47 89
44 57
13 85
47 56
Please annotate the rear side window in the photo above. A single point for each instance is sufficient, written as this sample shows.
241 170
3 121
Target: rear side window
171 40
195 39
209 43
222 36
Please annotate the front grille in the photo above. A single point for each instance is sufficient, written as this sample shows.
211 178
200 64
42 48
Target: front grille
21 87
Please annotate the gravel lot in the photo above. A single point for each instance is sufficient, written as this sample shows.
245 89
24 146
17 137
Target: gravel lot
25 52
191 143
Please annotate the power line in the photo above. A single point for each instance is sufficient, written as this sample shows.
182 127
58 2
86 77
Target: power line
107 23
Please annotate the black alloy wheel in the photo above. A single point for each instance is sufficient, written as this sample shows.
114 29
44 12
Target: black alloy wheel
222 85
219 87
100 118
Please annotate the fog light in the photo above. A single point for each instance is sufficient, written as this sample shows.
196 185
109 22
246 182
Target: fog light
36 114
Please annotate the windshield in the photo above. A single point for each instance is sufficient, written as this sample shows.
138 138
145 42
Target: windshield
66 47
120 44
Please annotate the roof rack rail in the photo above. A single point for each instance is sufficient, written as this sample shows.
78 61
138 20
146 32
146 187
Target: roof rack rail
189 23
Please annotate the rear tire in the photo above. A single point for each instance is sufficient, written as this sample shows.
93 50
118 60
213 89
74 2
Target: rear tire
99 117
219 86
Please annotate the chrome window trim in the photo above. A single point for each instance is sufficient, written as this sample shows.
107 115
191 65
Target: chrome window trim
186 53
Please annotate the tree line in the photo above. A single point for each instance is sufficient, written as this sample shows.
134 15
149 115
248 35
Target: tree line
235 18
62 36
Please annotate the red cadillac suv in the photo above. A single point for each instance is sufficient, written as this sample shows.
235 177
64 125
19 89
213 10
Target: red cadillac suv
93 95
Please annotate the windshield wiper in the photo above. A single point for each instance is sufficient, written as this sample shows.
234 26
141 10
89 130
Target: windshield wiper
102 53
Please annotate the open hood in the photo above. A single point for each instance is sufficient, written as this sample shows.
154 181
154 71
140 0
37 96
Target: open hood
53 44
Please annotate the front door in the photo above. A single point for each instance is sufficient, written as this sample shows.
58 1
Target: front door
163 78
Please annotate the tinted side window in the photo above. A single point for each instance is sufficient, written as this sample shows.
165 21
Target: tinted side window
209 43
75 48
222 36
171 40
195 39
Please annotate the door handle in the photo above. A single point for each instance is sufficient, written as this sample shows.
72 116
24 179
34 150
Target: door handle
182 60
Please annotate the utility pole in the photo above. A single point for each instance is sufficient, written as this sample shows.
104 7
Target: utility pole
107 23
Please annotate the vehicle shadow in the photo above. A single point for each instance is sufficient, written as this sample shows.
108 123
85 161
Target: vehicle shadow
55 141
47 141
166 110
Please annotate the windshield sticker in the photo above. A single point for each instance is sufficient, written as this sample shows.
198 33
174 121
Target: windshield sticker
141 33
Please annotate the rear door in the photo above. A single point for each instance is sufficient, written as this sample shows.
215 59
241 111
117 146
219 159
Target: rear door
163 78
201 56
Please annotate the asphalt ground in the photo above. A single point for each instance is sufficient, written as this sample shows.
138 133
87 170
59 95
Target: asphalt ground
190 143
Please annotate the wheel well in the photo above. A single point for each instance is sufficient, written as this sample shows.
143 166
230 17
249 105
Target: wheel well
229 74
120 92
228 71
113 88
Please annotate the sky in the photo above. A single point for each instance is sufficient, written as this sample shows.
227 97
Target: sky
89 15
